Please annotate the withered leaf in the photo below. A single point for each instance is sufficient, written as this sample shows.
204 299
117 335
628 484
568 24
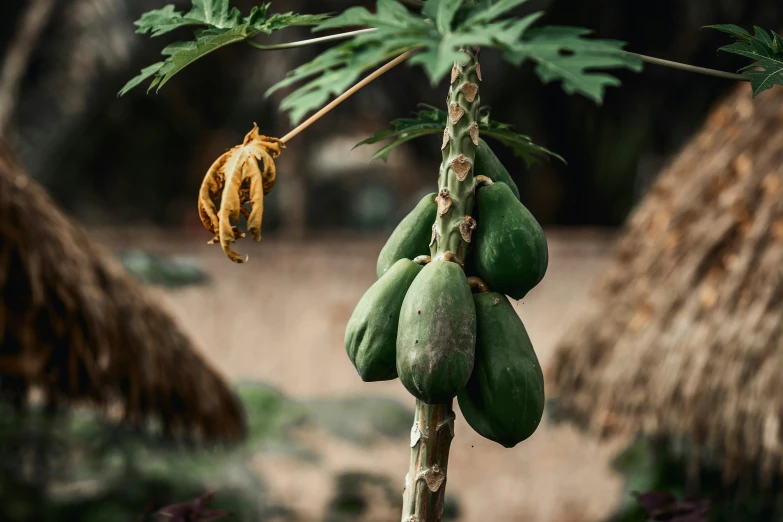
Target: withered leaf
237 178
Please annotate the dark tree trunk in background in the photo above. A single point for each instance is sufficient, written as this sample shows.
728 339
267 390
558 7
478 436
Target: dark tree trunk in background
17 56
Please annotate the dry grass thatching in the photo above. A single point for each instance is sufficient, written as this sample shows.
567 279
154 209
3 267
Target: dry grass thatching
685 336
75 326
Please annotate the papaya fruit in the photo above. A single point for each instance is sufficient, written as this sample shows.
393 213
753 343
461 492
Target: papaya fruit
511 253
371 332
412 236
436 336
503 400
487 164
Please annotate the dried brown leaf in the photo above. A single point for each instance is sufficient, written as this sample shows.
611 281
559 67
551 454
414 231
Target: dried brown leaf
244 174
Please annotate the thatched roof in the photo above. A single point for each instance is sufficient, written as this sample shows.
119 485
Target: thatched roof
74 325
684 336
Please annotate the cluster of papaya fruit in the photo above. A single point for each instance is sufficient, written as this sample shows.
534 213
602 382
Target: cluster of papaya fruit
422 321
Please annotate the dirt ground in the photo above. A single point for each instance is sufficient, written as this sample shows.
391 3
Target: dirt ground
280 318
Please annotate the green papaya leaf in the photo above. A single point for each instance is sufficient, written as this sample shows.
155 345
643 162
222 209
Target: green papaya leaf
764 49
216 25
431 121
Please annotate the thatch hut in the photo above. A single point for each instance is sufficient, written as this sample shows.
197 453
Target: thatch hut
76 327
684 337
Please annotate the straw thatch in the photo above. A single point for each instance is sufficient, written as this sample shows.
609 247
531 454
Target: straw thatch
75 326
684 337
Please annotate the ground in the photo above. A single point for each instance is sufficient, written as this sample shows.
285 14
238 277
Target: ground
280 319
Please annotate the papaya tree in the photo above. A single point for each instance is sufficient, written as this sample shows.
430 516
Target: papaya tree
439 316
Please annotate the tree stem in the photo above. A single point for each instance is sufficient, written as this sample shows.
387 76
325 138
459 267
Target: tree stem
347 94
453 228
433 428
424 496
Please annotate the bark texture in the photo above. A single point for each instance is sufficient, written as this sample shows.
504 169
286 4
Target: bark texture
454 225
433 429
424 497
74 325
684 338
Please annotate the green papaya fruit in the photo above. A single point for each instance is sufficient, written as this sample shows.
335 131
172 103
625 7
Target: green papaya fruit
412 236
436 336
487 164
371 332
504 398
511 253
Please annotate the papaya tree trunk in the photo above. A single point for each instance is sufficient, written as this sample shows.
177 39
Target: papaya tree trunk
433 427
425 484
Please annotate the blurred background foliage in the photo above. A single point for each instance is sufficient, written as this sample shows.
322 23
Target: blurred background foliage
140 159
74 465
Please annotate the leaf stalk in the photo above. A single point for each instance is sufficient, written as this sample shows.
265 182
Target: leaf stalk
690 68
347 94
648 59
310 41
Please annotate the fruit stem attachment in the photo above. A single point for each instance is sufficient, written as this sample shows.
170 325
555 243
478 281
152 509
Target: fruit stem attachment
424 497
347 94
478 284
483 181
422 260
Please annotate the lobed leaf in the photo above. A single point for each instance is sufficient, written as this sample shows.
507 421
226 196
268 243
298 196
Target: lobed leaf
215 13
217 25
432 121
443 13
437 34
161 21
765 49
145 74
486 14
564 54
